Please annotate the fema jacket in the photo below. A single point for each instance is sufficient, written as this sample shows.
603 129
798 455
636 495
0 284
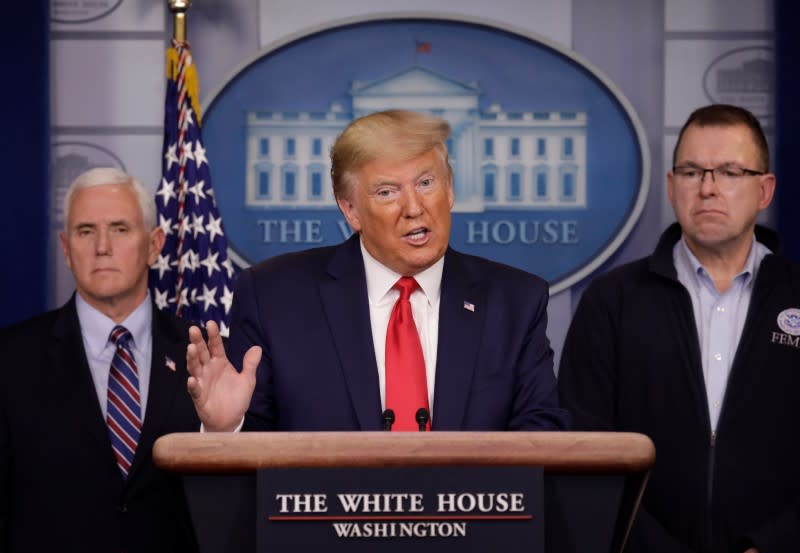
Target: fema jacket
631 362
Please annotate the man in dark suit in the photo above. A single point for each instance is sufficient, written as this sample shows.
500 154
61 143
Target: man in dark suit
73 476
317 330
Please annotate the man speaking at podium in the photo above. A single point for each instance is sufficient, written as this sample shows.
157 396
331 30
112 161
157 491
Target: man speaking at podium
392 328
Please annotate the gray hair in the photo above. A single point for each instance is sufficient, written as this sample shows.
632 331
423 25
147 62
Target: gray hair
103 176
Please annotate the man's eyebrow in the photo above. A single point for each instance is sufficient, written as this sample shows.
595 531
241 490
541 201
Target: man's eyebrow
425 170
700 166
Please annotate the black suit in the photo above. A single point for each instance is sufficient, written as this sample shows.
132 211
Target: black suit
60 487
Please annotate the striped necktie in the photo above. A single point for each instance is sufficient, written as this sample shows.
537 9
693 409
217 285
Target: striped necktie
124 405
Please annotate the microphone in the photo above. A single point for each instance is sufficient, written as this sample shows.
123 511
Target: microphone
422 416
388 420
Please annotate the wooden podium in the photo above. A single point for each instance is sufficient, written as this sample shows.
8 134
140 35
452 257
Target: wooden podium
593 481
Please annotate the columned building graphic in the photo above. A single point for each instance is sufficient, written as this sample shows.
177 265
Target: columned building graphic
500 159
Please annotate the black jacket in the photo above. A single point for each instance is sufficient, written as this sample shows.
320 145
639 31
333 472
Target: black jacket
631 362
60 487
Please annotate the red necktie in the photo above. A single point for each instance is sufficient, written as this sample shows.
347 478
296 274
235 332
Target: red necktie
406 384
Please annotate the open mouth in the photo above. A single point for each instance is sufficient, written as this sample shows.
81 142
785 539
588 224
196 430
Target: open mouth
417 236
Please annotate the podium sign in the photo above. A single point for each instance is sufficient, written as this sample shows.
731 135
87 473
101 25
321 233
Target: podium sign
420 509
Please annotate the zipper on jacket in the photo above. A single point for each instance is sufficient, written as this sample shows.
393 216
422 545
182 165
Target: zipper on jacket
710 489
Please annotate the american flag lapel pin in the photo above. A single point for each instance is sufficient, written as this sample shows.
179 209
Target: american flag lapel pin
469 306
169 363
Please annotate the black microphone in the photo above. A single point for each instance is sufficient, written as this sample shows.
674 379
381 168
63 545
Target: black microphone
422 416
388 419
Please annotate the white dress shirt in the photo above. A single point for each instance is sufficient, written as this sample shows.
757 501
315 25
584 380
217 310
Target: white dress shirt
424 306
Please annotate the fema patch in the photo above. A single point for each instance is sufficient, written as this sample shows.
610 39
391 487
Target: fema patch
550 162
789 321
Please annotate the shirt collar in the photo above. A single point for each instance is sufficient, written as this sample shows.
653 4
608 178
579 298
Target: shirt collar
748 272
96 327
381 279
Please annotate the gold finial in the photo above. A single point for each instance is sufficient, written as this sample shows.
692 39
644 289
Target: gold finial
179 9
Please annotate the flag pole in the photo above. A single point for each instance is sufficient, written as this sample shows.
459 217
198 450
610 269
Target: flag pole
179 9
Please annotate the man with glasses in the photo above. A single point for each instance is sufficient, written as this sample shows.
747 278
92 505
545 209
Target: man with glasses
698 346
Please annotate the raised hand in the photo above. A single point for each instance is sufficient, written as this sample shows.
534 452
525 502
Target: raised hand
220 393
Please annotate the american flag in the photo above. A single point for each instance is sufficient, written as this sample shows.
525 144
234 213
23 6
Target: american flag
193 276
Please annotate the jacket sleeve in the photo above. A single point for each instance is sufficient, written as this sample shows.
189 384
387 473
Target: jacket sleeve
535 405
247 331
587 383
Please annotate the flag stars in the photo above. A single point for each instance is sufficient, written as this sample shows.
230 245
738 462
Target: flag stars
184 227
166 191
186 151
171 155
183 299
197 225
209 297
198 191
187 120
165 224
228 267
189 260
227 299
162 265
199 155
192 276
161 299
214 228
210 263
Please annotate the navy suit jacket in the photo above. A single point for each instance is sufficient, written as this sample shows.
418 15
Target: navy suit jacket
309 312
60 487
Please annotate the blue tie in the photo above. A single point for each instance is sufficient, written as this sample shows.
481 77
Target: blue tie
124 405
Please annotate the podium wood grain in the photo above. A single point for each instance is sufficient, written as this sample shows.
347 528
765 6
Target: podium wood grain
559 452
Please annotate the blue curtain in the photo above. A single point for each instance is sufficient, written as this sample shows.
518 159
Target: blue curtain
24 159
787 124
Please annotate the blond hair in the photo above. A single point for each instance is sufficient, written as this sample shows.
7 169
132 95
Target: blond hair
393 134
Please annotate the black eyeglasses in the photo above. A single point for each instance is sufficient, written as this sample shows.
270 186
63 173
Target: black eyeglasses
724 175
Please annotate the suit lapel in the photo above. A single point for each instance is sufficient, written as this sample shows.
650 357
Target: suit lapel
346 306
71 375
459 340
164 383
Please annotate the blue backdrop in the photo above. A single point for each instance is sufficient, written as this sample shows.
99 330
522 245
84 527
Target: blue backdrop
25 159
25 153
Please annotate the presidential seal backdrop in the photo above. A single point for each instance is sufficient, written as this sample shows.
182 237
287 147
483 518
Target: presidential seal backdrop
550 166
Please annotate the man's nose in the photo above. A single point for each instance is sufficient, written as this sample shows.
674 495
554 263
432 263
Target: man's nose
410 202
103 243
708 183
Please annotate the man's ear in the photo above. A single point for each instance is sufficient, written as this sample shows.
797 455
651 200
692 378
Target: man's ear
65 248
350 213
767 189
157 240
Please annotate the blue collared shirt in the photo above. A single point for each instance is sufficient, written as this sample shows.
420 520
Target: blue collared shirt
719 316
96 329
